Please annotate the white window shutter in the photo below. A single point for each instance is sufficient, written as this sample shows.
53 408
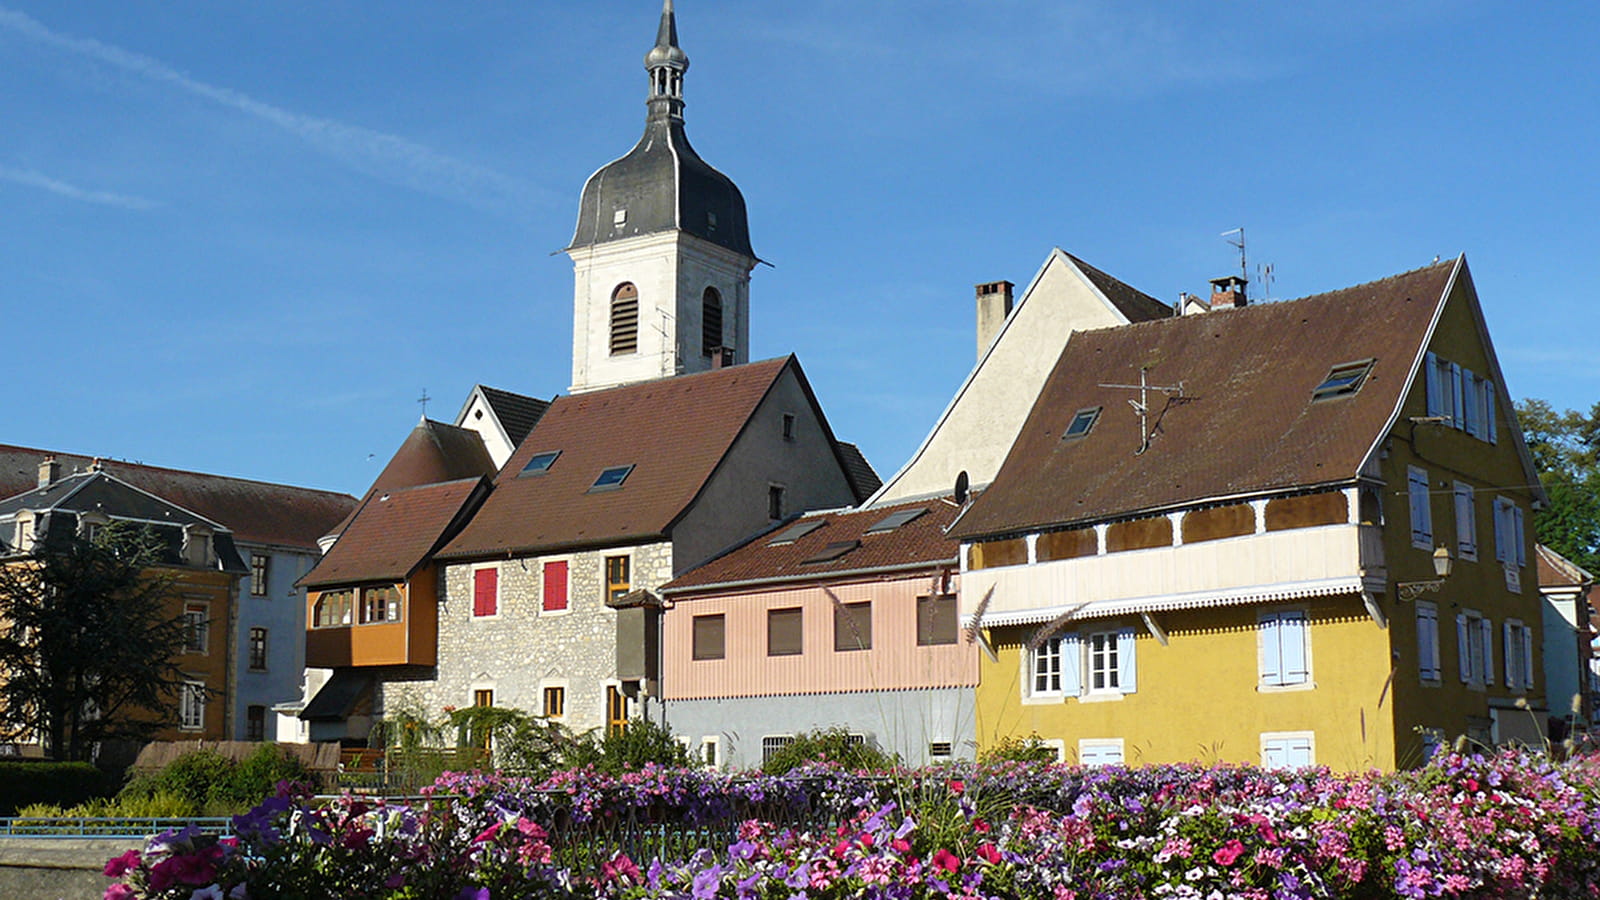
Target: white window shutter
1292 631
1430 371
1463 645
1271 650
1489 410
1486 635
1512 662
1127 668
1527 657
1299 753
1071 665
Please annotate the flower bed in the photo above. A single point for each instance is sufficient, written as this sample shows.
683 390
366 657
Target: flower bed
1466 826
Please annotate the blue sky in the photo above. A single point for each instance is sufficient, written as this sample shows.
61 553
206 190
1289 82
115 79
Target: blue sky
244 237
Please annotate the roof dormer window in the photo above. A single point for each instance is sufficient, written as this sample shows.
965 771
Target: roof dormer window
1081 423
1345 378
619 218
540 463
611 479
895 520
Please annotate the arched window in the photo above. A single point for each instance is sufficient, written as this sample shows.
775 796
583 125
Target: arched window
624 319
711 321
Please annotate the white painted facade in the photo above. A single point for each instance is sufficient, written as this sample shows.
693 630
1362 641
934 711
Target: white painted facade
983 419
477 415
671 271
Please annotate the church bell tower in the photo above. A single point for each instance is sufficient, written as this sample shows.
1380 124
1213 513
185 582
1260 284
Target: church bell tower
661 255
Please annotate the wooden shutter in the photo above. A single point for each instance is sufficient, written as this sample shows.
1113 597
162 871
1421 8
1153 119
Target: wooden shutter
1071 665
1127 668
1463 647
1489 411
1466 523
709 642
1292 631
1454 387
1430 372
1527 657
1421 509
1471 404
1511 635
1486 639
1271 650
555 586
1518 535
485 592
784 635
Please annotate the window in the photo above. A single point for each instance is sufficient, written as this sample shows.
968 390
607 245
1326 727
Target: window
1284 640
197 628
555 702
1466 522
485 592
831 551
1460 398
483 697
611 479
783 632
711 751
1428 642
774 501
333 608
1510 541
1519 655
1287 750
708 637
1100 752
940 750
788 426
936 620
540 463
624 320
852 626
258 574
1099 664
380 604
554 591
895 520
618 581
796 531
1047 667
1081 423
1104 669
255 723
1475 646
1471 404
192 705
258 649
1421 508
772 743
616 710
710 321
1432 742
1343 380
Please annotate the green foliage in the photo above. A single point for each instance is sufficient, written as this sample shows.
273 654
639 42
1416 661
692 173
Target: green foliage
62 784
88 641
1566 450
629 749
828 745
1012 748
206 782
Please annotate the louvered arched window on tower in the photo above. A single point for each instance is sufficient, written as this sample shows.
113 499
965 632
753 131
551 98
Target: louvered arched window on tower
711 322
624 319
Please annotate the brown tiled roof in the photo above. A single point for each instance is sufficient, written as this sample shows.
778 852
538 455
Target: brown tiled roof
395 531
255 511
864 480
1556 570
432 453
673 432
1133 303
920 541
1246 421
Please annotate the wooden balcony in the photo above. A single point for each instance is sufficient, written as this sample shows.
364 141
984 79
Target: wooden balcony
411 641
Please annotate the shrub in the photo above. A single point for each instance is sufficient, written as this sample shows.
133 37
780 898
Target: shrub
629 749
828 745
1030 749
205 781
56 783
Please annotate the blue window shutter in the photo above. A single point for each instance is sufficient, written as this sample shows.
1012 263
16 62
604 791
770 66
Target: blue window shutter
1071 665
1512 664
1527 657
1298 753
1463 645
1501 539
1274 754
1455 395
1471 403
1271 649
1292 630
1519 535
1486 634
1127 670
1430 371
1489 410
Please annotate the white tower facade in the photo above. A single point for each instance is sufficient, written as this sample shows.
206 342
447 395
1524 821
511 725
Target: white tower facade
661 255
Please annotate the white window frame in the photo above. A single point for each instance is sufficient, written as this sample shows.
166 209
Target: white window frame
499 592
1465 504
1265 682
192 705
1475 649
571 565
1087 745
1518 655
779 741
1111 654
198 629
566 698
1048 649
1421 502
714 743
1270 739
1429 668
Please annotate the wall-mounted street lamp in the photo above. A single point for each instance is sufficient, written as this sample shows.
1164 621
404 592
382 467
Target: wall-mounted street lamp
1442 563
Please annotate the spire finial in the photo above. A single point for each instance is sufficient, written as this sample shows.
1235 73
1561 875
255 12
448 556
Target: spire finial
667 35
666 62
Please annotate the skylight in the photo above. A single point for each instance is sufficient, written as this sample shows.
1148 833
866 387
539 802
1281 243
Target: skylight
540 463
1345 378
611 478
895 520
796 531
1081 423
832 551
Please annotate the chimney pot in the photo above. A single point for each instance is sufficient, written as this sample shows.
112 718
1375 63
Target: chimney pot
994 305
721 357
49 471
1228 292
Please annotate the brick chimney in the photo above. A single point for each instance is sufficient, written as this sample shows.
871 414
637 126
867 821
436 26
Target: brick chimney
1228 292
994 305
721 357
49 471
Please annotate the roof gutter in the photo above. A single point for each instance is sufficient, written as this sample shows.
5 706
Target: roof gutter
787 579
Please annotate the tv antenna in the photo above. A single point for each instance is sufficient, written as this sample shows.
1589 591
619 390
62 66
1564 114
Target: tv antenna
1266 270
1141 406
1238 244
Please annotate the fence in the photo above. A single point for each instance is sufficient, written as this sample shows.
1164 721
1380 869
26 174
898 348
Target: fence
103 827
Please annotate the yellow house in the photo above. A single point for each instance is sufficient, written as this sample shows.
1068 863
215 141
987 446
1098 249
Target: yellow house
1243 564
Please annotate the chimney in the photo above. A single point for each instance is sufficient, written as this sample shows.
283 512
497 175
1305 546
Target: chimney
721 357
1228 292
994 305
49 471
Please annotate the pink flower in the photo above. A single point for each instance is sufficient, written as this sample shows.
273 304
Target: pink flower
900 845
944 859
118 866
119 892
487 834
989 853
1227 853
957 786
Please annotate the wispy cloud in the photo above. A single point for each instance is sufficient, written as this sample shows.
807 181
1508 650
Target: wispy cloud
385 156
30 178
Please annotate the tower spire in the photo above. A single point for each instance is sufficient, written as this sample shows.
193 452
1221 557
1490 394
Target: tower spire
666 62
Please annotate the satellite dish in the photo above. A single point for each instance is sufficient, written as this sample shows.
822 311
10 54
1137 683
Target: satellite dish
961 487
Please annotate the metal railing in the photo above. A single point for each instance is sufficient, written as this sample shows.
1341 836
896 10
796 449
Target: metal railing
108 827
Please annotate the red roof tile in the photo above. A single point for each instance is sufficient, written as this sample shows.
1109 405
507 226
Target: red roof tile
432 453
256 512
673 432
921 541
1246 421
394 532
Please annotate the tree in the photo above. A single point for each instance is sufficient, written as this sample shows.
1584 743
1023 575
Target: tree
1566 450
88 641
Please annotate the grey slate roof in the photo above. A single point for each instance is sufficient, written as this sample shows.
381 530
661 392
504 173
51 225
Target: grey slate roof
864 479
1133 303
517 413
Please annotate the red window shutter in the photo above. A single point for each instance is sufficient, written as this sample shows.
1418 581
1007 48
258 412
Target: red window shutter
555 585
485 592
